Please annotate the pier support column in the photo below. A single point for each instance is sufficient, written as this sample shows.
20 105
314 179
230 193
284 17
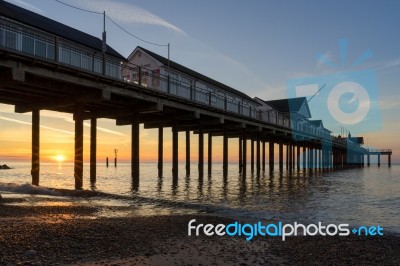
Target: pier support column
263 156
368 160
35 172
287 156
78 162
187 167
201 153
240 140
244 157
93 148
160 151
258 156
389 160
379 160
209 154
304 157
252 155
271 155
320 158
311 159
135 152
298 157
225 155
280 155
175 151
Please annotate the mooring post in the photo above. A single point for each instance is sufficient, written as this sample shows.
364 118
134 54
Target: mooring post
271 155
78 162
209 154
201 152
93 149
135 152
225 154
187 153
175 150
160 151
35 172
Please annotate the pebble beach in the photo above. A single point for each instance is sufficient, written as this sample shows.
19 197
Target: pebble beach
58 234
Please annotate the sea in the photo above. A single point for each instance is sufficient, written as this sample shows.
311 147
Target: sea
368 196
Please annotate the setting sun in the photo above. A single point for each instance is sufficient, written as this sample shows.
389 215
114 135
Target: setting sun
59 158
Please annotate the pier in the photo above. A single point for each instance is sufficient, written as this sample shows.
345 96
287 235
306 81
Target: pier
49 66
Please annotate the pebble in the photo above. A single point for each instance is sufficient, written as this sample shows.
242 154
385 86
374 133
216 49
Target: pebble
30 253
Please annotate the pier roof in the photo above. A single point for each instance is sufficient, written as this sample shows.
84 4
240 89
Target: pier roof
192 73
291 105
53 27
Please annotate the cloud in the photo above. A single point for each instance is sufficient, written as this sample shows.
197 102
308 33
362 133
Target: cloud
27 6
126 13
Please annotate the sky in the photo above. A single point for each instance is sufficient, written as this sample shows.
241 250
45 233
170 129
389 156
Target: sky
255 46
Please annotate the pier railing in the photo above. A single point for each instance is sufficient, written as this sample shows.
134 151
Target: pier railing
41 45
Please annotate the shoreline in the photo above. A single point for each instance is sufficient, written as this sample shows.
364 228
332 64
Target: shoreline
76 235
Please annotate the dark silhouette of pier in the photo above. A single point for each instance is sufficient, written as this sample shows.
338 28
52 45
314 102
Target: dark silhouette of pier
45 65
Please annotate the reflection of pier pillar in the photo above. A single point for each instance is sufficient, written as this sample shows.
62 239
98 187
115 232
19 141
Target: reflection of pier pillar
160 151
258 155
187 166
175 151
135 153
93 148
240 140
280 155
35 172
379 160
201 152
209 154
389 160
225 155
263 156
252 155
271 155
78 162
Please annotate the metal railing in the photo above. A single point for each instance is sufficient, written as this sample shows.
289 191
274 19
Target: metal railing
38 44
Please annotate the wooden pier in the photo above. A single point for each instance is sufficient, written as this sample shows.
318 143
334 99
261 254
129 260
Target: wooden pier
44 79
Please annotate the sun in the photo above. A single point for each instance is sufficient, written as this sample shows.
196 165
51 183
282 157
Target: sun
59 158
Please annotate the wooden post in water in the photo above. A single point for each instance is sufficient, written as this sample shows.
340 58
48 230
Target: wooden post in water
160 151
225 154
78 162
187 153
252 155
304 156
379 160
280 155
368 160
244 157
263 156
240 140
175 151
201 152
389 160
271 155
298 157
93 149
258 156
135 153
287 156
209 154
35 172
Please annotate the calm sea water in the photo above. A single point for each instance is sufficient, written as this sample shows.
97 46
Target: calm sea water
363 196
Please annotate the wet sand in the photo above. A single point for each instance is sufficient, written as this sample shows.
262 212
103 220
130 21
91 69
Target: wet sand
75 235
